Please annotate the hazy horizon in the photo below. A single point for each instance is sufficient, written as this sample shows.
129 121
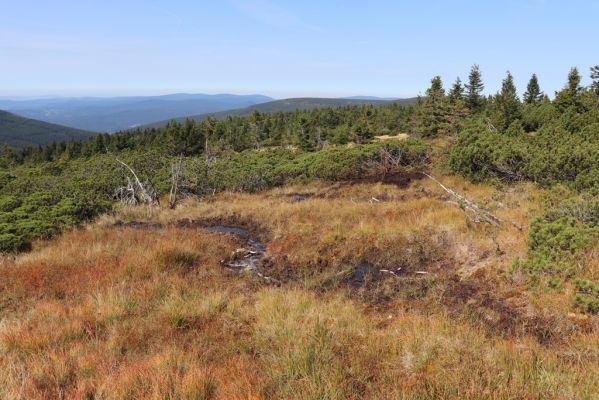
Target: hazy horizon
24 97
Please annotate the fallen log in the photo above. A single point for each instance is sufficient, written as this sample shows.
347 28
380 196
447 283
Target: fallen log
480 215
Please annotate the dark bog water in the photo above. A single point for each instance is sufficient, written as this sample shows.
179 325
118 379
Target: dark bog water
360 273
245 259
227 229
298 197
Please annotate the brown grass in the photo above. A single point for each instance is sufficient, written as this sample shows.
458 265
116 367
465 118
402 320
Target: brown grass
112 312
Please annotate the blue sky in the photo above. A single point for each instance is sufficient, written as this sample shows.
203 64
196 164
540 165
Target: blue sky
288 48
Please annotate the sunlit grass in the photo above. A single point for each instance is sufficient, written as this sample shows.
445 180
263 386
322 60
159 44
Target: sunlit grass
118 313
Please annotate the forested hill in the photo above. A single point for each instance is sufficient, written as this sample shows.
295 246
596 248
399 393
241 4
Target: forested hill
22 132
111 114
289 105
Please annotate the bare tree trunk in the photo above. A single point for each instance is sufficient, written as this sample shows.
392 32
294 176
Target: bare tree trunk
135 189
175 178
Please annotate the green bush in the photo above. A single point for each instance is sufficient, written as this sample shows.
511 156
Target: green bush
10 242
42 215
554 243
9 203
587 298
550 155
557 244
252 171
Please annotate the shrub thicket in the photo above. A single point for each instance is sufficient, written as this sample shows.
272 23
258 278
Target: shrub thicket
56 195
557 245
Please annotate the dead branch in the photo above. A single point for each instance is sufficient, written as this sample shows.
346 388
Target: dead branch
176 168
490 126
135 191
385 162
480 215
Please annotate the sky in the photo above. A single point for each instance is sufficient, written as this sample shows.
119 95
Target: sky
288 48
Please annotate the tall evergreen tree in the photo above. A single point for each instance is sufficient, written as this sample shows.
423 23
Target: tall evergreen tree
458 111
474 98
574 79
434 111
457 91
533 94
569 96
595 78
508 103
436 92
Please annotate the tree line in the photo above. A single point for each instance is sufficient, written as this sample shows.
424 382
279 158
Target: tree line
445 113
308 130
437 113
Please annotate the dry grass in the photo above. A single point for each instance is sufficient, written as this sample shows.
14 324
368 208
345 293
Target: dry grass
120 313
383 138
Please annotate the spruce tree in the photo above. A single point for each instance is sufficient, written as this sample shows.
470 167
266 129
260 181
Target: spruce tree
457 91
595 78
436 92
570 95
474 88
533 94
508 102
574 79
434 111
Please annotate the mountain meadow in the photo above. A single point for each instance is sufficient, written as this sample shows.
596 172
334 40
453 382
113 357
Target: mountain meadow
445 248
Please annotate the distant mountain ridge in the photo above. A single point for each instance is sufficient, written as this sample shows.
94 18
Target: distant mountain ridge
288 105
111 114
372 98
17 131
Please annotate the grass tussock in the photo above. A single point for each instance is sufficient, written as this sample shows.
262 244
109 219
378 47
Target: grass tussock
123 312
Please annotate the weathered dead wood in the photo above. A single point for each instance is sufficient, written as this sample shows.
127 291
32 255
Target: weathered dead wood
479 215
176 168
135 191
385 162
490 125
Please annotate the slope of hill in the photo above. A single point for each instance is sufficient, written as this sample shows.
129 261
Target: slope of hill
17 131
118 113
286 105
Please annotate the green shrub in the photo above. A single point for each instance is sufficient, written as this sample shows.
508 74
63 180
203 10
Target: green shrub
550 155
560 241
42 215
252 171
9 203
13 243
33 228
556 247
587 298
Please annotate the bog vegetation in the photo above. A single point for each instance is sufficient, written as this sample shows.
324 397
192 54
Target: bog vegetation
480 229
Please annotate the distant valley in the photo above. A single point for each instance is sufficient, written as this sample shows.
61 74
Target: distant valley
119 113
